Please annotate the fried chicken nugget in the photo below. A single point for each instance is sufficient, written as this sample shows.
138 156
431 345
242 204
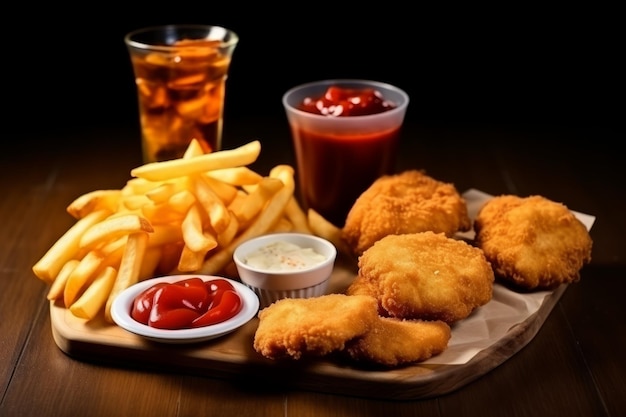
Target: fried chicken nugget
297 327
426 276
394 342
407 202
532 242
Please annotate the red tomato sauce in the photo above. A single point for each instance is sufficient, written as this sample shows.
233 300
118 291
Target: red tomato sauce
344 102
339 167
333 185
186 304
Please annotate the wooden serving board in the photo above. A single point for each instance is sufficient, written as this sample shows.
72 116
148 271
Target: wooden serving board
233 357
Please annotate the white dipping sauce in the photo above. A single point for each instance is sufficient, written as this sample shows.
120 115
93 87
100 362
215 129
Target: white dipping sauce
283 256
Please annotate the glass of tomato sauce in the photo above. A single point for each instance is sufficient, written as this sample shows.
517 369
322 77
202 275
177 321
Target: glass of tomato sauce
345 135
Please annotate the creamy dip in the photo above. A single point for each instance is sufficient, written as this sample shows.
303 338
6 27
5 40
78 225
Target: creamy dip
283 256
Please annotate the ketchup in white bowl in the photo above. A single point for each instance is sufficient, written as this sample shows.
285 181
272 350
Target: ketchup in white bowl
169 318
188 303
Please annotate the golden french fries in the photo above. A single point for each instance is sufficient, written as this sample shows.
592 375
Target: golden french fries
58 286
94 297
67 247
325 229
255 201
193 232
215 208
297 217
95 200
161 171
81 275
263 223
129 268
181 216
236 176
114 227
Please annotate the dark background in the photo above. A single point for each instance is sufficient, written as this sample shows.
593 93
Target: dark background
520 66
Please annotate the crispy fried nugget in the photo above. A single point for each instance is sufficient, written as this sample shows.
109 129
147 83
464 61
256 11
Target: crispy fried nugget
426 276
297 327
532 242
394 342
408 202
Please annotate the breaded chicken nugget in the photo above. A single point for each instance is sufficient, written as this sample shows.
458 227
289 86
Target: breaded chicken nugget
426 276
297 327
532 242
364 286
408 202
393 342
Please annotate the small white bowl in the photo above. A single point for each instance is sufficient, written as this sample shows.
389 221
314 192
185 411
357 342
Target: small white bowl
272 285
121 308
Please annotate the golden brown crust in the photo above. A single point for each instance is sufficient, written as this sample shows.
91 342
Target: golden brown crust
408 202
532 242
298 327
394 342
426 276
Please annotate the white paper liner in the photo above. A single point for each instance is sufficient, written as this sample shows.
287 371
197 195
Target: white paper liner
489 323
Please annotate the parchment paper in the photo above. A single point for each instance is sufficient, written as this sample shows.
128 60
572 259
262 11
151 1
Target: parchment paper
489 323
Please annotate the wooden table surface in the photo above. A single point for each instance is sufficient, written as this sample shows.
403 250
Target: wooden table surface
574 366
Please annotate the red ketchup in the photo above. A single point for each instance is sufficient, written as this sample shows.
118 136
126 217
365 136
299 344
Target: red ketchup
345 163
344 102
186 304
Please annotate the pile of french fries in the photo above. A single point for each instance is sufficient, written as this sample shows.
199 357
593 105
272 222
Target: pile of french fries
181 216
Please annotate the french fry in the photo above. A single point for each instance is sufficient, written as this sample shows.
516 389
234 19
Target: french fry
58 286
190 260
150 262
93 201
66 247
239 199
161 213
297 216
165 191
81 276
193 149
181 201
226 192
224 238
95 296
114 253
257 199
135 202
165 234
237 176
139 186
327 230
114 227
283 225
129 270
113 245
193 234
214 207
165 170
285 174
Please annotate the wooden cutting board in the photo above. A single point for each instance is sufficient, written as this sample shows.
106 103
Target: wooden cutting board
234 358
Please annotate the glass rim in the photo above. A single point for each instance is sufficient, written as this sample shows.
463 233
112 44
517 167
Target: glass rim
401 108
233 37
